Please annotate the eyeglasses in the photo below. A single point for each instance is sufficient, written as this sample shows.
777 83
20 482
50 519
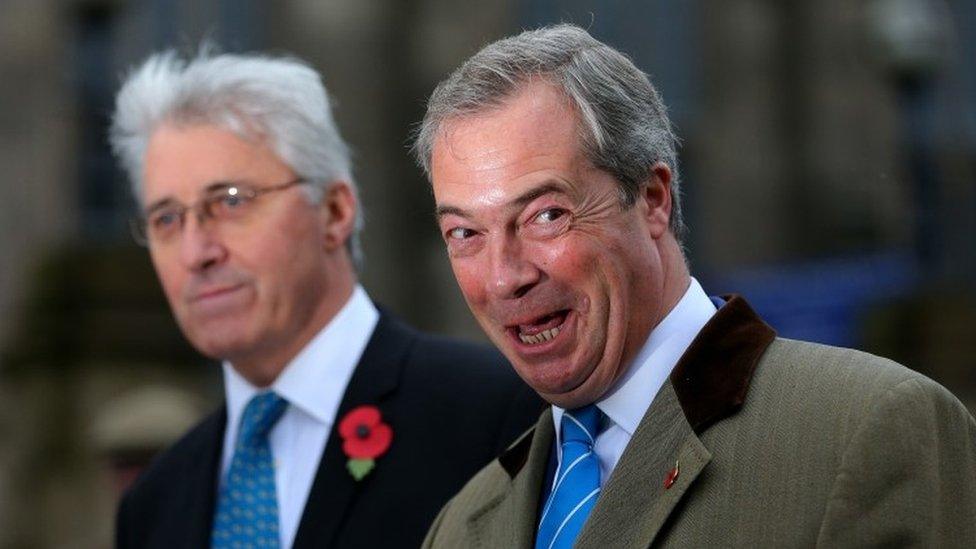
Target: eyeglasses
222 202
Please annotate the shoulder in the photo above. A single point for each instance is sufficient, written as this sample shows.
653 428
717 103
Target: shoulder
169 504
901 448
439 348
867 447
460 358
484 490
836 361
472 375
489 484
192 451
459 383
845 389
448 363
450 527
393 334
835 371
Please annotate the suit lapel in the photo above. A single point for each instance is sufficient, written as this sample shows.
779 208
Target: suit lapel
193 513
663 439
334 490
709 383
509 519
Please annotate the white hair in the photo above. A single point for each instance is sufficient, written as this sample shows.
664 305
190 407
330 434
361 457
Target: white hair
279 99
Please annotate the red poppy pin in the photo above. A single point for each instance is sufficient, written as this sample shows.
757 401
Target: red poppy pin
364 438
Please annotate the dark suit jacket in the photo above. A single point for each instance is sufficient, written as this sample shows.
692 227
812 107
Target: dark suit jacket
452 407
774 443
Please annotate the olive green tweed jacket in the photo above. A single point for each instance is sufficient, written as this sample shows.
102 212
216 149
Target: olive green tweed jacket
777 443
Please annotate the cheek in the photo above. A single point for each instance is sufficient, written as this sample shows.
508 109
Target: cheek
269 255
170 278
571 261
287 276
470 280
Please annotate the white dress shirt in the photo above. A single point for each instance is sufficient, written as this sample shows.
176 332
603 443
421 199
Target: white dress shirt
313 384
624 404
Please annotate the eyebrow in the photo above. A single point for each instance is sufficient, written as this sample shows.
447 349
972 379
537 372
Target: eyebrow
158 205
516 203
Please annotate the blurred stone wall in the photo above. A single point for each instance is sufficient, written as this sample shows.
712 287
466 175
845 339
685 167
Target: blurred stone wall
36 198
792 150
36 149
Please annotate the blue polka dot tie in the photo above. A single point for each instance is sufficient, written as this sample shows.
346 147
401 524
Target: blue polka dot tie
576 486
247 508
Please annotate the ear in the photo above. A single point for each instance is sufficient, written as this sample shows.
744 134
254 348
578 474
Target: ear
655 199
338 215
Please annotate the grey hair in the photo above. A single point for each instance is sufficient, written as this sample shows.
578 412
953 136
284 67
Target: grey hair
279 99
623 122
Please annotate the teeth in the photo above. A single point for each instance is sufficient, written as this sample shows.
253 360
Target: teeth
545 335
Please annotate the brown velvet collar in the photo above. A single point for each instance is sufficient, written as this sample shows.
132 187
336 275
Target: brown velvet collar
712 377
514 458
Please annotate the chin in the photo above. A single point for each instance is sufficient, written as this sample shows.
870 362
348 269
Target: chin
576 398
594 385
219 342
217 350
560 390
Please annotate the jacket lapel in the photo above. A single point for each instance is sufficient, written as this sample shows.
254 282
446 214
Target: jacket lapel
709 383
509 518
193 512
663 440
334 490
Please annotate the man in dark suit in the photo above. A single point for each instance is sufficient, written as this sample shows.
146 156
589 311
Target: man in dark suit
677 420
342 426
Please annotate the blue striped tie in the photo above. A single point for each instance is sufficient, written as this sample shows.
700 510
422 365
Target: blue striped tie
577 484
247 509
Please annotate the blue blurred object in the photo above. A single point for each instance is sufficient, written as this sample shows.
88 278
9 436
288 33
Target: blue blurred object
822 301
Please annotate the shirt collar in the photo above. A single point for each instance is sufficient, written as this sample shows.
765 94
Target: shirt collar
630 397
315 380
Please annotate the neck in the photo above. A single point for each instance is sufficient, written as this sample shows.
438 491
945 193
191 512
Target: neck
676 276
674 280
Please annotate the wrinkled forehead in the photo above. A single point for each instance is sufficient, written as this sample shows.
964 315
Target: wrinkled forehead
484 165
535 121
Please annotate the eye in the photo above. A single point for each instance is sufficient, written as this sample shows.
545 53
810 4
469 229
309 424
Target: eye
229 202
549 215
233 197
164 220
459 233
462 241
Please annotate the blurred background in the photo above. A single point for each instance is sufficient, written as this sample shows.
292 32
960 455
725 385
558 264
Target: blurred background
829 153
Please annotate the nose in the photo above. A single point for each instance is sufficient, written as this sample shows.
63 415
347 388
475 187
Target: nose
512 271
200 246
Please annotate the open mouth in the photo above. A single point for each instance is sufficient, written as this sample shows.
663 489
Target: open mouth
542 329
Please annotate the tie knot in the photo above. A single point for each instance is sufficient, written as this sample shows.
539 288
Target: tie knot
581 424
260 415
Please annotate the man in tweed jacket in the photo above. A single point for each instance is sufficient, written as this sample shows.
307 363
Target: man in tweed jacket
554 170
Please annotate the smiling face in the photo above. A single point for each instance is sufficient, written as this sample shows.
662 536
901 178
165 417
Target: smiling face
565 280
256 288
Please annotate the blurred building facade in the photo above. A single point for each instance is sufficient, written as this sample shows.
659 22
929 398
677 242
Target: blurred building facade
810 137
